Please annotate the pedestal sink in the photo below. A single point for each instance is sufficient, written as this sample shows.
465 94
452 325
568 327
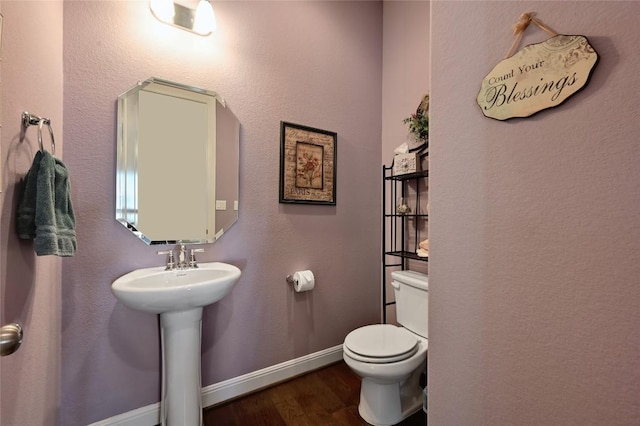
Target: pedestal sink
178 296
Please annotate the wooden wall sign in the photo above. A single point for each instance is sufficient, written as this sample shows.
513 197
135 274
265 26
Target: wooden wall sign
539 76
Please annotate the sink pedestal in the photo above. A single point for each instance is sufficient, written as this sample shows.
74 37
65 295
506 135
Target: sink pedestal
181 403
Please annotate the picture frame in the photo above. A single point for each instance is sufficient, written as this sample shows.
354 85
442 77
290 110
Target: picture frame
307 165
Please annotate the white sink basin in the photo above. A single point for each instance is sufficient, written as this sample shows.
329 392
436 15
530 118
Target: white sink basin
158 291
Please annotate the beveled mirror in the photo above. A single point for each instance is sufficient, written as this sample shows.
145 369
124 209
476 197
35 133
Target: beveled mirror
177 163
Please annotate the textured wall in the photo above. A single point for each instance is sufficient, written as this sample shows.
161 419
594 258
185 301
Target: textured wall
405 69
313 63
32 81
405 79
535 232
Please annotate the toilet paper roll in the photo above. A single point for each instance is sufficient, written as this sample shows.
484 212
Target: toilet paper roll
303 281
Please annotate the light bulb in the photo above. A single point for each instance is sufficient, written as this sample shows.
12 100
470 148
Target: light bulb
205 21
162 9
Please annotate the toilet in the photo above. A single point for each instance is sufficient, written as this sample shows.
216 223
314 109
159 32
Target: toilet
390 359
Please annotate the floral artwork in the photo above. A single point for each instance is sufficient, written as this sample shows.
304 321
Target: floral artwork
309 165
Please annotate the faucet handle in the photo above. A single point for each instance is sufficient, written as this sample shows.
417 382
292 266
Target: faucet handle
192 257
171 264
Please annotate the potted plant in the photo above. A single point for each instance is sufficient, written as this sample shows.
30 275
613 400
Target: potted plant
419 123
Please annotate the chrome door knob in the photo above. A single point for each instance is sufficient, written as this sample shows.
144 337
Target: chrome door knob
10 338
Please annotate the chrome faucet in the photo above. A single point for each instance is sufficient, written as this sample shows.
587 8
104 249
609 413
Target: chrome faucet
182 262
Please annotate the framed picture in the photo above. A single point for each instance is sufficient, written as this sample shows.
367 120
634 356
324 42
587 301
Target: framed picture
307 165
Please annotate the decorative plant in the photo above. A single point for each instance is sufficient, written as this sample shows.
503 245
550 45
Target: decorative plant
419 121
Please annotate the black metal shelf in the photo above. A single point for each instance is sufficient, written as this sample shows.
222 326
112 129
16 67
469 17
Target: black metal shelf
408 176
407 215
406 254
396 227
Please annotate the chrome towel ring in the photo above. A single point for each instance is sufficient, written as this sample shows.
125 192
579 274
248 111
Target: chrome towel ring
32 120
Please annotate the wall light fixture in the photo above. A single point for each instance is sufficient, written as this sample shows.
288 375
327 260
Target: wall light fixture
201 20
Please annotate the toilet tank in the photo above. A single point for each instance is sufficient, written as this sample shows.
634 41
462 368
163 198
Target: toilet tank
411 291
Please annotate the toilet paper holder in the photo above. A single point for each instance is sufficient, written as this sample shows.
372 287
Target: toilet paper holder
301 280
291 277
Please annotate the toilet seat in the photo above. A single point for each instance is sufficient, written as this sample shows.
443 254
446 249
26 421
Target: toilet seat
381 343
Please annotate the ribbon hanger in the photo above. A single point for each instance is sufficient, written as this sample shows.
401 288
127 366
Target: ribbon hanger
519 28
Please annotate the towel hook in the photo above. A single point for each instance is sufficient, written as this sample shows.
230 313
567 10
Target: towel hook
32 120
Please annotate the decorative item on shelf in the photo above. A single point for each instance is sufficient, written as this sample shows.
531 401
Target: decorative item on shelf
404 163
407 156
402 207
423 248
419 123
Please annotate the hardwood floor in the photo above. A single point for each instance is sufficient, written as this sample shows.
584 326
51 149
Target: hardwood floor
326 397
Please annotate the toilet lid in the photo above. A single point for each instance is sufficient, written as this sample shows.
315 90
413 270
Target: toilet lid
381 341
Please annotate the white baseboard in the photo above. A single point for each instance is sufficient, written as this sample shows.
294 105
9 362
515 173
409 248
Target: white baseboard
235 387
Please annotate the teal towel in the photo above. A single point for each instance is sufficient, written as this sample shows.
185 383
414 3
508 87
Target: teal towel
26 212
55 220
53 226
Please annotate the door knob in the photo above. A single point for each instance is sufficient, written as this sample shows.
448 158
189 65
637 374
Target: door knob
10 338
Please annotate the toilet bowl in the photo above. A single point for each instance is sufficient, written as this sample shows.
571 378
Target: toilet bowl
389 358
390 389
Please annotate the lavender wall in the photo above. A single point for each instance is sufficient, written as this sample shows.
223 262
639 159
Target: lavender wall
405 69
314 63
32 81
535 254
405 79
